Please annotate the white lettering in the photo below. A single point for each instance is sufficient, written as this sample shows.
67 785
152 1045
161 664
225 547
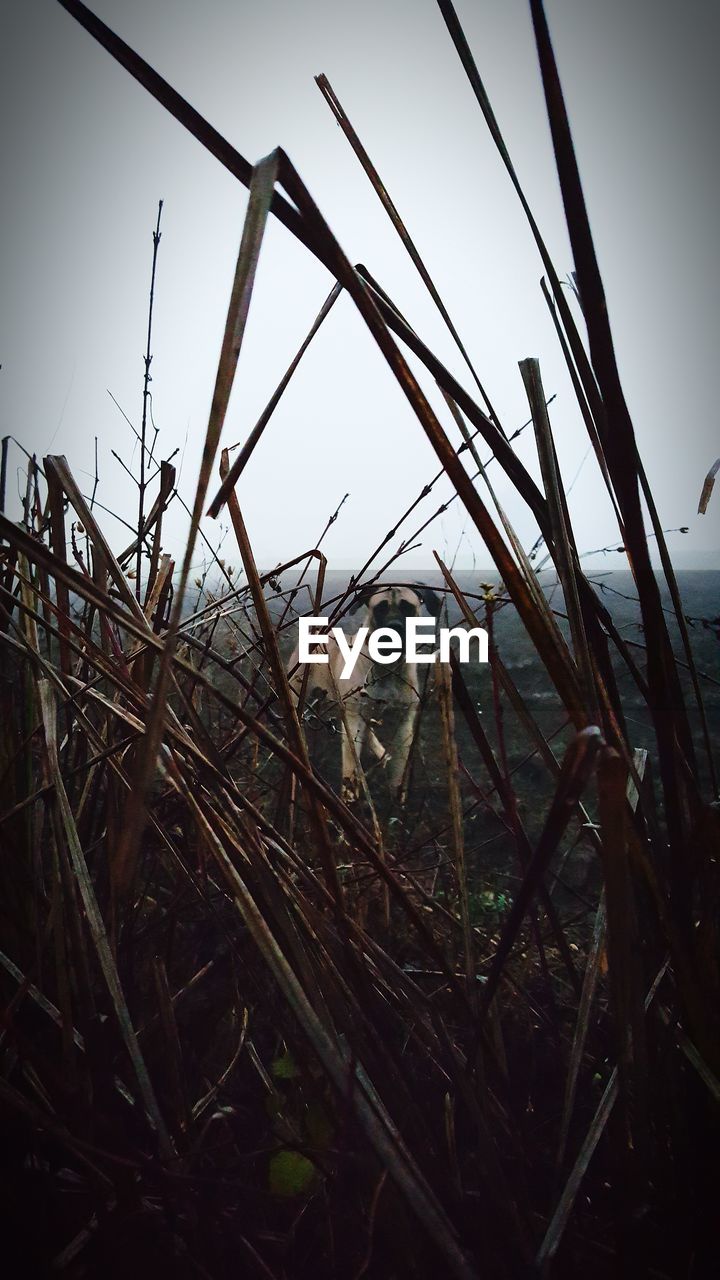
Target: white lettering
307 636
385 644
464 637
349 651
413 654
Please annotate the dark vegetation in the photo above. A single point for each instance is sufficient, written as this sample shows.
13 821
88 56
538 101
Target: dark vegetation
250 1030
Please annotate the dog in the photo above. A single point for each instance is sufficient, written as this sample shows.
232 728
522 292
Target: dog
364 699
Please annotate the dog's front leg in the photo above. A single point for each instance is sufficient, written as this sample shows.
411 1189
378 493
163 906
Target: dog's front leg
353 732
375 745
400 751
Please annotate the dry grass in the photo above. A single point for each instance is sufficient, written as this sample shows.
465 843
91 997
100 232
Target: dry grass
250 1029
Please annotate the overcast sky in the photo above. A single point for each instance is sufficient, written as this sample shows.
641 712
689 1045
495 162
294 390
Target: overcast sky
86 154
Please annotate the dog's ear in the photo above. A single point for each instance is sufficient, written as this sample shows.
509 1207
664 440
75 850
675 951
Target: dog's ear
361 599
430 599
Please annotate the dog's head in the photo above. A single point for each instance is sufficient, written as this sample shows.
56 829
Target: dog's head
392 606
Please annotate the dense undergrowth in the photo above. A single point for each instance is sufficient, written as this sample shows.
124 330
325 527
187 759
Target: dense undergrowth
251 1029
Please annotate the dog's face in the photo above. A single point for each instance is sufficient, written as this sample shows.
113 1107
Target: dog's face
392 606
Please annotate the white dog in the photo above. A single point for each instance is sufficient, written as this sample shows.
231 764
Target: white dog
373 688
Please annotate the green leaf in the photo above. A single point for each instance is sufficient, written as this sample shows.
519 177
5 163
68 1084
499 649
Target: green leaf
284 1068
290 1173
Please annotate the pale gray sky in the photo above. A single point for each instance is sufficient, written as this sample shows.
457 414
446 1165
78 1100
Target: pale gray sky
86 154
